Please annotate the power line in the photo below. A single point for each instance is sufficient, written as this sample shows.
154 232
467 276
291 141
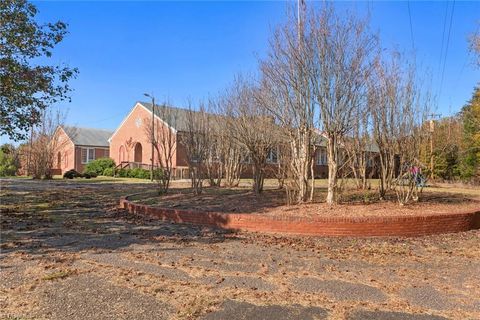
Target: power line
446 48
443 36
411 26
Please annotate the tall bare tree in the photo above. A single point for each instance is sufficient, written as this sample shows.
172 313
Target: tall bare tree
399 111
196 142
251 126
164 137
360 149
343 50
46 143
228 151
286 93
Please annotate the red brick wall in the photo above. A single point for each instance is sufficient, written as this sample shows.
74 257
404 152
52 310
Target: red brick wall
71 155
181 152
402 226
133 128
66 150
100 152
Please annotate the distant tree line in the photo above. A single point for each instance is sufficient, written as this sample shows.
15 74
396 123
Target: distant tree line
456 145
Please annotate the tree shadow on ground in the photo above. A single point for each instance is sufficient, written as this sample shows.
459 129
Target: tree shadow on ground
215 199
39 217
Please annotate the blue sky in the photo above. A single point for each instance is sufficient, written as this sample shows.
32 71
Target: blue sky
182 50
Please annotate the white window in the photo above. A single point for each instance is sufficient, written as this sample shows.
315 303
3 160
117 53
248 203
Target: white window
88 154
272 156
322 159
106 153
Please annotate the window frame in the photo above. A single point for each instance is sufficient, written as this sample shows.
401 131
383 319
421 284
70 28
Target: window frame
322 157
88 152
270 157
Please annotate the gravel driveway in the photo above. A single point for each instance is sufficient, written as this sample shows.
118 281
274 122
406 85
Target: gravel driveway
67 253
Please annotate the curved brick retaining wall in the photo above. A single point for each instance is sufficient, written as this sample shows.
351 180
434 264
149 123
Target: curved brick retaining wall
403 226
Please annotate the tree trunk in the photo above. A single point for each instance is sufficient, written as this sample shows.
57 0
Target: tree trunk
258 177
332 169
312 174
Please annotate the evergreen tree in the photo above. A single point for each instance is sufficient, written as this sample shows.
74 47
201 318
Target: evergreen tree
470 163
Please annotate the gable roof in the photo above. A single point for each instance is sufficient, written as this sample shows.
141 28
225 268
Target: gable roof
88 136
175 117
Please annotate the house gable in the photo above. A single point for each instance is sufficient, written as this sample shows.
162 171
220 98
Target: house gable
134 109
130 143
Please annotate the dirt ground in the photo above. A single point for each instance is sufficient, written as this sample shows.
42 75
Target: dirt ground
354 203
66 253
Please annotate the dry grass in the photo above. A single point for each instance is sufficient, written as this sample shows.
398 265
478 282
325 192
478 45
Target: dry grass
44 250
353 202
58 275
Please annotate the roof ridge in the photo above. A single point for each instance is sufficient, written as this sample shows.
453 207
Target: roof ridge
86 128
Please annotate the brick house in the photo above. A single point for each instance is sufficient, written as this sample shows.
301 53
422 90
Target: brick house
79 146
130 144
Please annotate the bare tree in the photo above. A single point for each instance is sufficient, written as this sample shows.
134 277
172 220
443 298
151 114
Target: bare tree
231 157
286 93
359 149
474 40
46 143
228 152
164 137
399 111
251 127
196 142
344 50
214 161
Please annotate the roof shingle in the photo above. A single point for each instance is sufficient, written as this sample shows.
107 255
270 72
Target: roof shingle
88 136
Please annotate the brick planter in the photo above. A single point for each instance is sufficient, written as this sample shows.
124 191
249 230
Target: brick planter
399 226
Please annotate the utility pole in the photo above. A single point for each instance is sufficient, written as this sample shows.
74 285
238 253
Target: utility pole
153 134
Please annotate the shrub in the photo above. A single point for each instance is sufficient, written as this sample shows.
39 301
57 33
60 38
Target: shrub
123 173
139 173
131 173
98 166
162 180
108 172
70 174
90 174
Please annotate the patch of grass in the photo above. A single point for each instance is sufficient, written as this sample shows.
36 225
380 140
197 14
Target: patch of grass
57 275
196 307
43 205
